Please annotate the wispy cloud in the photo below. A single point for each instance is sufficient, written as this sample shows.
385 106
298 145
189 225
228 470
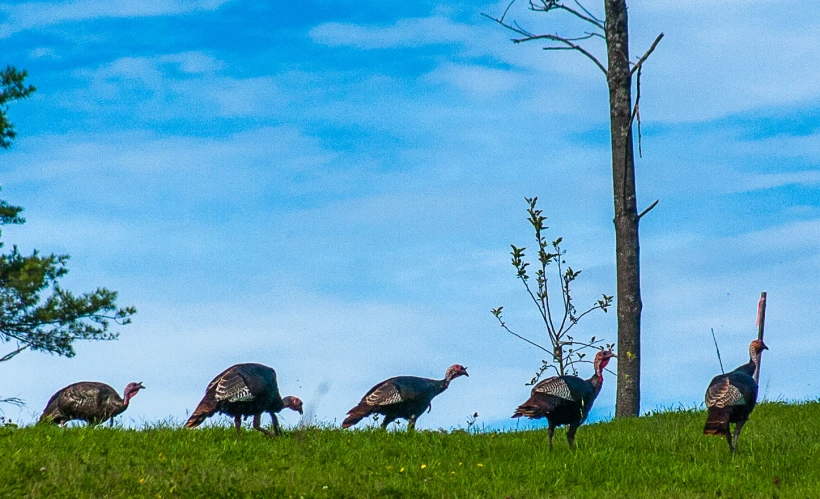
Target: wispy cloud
24 16
477 81
321 199
189 80
404 33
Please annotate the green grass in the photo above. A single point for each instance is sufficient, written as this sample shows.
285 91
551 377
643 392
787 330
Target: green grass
662 455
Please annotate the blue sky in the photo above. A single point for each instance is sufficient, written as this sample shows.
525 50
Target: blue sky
331 188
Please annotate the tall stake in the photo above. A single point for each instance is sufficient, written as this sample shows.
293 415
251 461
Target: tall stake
761 320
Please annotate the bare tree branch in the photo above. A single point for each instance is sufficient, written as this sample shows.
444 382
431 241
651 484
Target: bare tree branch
644 212
520 29
505 10
504 325
548 5
534 299
588 18
569 42
636 110
9 355
570 46
717 349
596 307
589 13
646 54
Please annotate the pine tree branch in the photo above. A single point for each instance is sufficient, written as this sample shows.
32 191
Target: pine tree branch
10 355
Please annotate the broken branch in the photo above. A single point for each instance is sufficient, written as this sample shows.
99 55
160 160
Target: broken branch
648 208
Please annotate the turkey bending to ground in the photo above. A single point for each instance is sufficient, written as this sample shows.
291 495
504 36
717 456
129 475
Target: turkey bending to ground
731 397
88 401
404 397
244 390
565 400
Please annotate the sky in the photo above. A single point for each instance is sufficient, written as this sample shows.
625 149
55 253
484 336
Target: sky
332 188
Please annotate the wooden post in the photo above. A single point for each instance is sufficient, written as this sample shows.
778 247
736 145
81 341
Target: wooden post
761 320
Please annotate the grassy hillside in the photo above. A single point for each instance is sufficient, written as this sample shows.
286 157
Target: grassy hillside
663 455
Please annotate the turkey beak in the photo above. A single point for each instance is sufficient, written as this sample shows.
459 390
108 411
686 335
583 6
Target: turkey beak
142 387
464 372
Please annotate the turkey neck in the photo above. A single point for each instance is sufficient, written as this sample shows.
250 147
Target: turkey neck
127 398
597 379
442 384
751 367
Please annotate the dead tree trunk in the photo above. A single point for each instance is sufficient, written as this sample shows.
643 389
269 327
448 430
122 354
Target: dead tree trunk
627 248
614 29
761 322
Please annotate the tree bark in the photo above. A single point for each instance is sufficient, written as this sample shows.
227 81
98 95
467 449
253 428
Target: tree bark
626 211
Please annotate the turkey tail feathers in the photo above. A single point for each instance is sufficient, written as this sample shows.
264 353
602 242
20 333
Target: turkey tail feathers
203 411
535 408
528 410
717 422
356 414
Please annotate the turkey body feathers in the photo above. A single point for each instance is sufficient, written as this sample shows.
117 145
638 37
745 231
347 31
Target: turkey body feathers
560 399
730 398
400 397
88 401
240 390
565 400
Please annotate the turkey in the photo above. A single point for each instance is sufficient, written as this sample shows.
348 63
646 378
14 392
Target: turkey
88 401
731 397
244 390
404 397
565 400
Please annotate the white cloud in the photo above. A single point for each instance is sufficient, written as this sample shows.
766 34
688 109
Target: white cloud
193 62
42 53
478 81
24 16
245 97
380 238
188 81
806 147
267 157
772 180
719 60
690 77
415 32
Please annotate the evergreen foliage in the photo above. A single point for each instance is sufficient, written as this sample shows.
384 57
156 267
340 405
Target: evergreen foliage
35 312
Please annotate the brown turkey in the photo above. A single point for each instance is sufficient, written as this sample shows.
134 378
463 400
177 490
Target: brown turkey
244 390
565 400
405 397
88 401
731 397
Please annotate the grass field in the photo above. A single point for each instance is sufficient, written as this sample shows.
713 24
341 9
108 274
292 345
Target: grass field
662 455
